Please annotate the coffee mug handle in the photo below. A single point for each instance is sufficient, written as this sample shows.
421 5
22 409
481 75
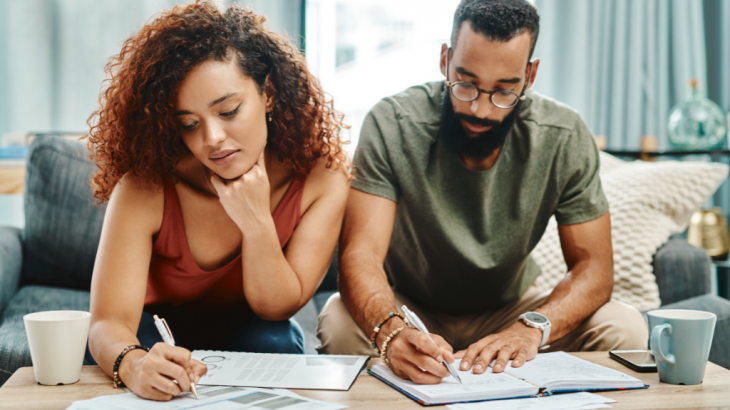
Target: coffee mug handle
656 347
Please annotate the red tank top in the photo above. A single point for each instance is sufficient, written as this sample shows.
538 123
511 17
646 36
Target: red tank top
176 280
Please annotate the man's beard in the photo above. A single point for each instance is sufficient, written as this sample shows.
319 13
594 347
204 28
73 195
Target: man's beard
479 146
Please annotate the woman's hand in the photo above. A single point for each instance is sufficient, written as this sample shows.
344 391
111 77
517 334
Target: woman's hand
246 198
164 372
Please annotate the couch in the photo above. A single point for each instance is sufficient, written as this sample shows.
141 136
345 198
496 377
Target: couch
48 264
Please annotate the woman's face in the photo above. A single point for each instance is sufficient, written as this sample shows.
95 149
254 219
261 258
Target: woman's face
223 116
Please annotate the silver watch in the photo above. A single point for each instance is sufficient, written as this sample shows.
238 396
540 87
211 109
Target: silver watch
538 321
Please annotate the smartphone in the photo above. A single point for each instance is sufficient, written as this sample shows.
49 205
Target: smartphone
641 361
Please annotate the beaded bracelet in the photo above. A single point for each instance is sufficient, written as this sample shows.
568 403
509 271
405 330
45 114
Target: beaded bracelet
381 323
384 349
117 382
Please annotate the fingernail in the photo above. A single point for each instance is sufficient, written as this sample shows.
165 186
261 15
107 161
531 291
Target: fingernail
477 368
440 359
515 363
464 366
497 367
197 379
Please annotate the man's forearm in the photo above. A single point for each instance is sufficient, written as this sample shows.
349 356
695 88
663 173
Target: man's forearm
365 291
583 290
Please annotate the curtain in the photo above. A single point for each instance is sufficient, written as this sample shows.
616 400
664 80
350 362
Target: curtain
622 64
52 54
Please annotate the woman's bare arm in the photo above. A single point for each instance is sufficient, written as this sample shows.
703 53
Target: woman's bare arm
118 289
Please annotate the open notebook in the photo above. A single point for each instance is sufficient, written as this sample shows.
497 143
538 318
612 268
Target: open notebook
546 374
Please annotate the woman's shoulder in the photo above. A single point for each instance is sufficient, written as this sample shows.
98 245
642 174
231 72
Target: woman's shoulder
139 201
331 182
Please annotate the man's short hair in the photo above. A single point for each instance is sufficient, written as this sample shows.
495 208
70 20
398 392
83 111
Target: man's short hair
497 20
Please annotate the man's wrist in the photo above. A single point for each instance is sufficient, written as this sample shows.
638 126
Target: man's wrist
388 328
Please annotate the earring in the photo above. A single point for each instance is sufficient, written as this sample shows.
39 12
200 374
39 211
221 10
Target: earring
269 115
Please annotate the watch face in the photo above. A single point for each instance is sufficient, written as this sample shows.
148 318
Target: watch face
536 318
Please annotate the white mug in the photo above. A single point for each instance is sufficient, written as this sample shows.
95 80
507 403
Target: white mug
57 341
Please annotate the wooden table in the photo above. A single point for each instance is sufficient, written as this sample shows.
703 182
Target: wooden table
22 392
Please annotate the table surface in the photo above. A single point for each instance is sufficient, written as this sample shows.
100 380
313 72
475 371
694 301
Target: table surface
22 392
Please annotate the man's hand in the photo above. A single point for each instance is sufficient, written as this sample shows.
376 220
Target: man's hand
413 356
518 342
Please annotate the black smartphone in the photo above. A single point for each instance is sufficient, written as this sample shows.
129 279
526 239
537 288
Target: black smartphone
641 361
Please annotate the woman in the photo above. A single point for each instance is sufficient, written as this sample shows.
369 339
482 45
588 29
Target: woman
226 184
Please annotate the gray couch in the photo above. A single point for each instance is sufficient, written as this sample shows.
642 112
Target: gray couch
48 264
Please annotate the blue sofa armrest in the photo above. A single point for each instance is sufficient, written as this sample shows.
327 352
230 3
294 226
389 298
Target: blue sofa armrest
11 262
682 271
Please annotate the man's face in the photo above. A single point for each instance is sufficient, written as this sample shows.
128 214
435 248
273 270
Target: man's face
490 65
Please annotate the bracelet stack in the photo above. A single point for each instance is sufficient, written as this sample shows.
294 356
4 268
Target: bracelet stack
381 323
117 382
384 349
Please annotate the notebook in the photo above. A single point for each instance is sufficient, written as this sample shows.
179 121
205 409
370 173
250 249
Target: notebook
283 371
546 374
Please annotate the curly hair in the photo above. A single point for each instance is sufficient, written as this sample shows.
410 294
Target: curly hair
134 130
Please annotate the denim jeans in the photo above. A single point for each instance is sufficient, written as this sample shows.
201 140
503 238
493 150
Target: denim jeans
255 335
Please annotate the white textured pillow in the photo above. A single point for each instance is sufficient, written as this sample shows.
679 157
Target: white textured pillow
648 201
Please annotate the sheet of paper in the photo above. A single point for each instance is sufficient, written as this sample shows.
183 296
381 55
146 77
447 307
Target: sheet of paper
211 398
560 366
573 401
471 383
287 371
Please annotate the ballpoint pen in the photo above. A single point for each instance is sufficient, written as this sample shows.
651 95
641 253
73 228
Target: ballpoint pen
166 334
420 326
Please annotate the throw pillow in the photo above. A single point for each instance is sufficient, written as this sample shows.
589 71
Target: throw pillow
648 202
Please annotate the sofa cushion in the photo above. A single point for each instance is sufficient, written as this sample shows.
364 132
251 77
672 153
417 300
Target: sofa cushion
62 221
648 202
14 351
720 350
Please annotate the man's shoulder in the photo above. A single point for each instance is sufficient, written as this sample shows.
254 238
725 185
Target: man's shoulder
418 104
546 112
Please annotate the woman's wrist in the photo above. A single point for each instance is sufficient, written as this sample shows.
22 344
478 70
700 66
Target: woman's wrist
128 363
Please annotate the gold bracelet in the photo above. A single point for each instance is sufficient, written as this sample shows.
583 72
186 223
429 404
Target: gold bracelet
384 349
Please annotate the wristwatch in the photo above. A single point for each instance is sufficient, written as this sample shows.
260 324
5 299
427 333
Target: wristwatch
538 321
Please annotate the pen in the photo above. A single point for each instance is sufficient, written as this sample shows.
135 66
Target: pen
166 334
420 326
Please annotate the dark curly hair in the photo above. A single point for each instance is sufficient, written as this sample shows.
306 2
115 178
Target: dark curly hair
498 20
134 130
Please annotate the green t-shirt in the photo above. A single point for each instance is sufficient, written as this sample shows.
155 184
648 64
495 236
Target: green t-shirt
462 239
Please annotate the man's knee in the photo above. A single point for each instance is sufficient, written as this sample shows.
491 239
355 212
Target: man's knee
338 332
616 325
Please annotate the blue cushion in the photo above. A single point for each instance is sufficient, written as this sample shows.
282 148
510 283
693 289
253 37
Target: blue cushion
14 351
62 221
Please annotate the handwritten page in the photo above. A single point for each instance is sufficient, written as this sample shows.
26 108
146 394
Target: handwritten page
474 386
562 370
575 401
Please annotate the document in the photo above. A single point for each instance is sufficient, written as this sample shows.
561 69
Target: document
211 398
544 375
560 371
284 371
572 401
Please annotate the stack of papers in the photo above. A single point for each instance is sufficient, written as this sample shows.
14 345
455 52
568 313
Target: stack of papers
211 398
280 371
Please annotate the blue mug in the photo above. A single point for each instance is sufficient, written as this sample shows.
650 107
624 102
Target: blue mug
680 340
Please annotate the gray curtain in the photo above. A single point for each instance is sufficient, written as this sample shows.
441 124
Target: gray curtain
52 54
623 64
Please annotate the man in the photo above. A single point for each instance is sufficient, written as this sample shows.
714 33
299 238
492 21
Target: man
454 185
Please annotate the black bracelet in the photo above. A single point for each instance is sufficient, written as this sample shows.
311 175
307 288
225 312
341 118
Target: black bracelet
117 382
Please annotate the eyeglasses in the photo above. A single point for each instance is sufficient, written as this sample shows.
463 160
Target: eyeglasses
466 92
